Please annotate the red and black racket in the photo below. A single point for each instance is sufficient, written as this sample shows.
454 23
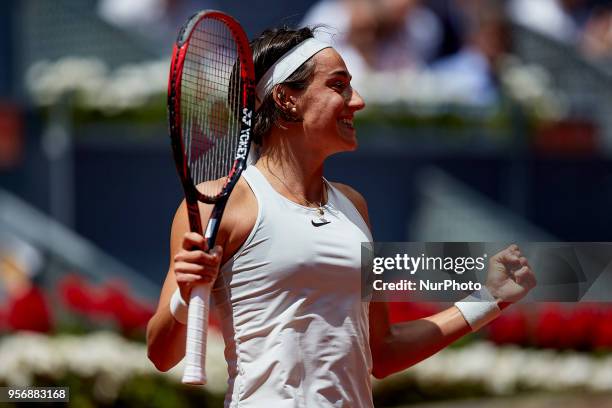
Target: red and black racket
211 97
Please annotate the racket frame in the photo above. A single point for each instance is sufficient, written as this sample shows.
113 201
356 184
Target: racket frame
201 293
247 97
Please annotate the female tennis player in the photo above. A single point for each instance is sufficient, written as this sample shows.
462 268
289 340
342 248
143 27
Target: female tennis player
286 271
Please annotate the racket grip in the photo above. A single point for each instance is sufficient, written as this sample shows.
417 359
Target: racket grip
197 331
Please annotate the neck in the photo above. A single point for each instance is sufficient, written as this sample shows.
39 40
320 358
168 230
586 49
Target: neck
292 168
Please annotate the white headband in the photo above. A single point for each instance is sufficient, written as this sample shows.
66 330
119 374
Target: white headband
287 64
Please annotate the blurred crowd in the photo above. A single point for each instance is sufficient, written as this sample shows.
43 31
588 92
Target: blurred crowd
459 45
586 24
434 51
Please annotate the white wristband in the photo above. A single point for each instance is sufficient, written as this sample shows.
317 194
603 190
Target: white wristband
178 307
479 308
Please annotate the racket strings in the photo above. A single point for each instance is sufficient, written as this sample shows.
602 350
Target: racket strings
209 105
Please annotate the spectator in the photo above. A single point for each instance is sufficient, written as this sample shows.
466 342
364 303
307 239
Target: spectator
158 20
455 17
470 76
597 37
383 36
562 20
26 305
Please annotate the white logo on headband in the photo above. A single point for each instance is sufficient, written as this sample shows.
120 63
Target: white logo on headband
287 64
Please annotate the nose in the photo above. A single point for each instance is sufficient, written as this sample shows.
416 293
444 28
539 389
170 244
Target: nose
356 102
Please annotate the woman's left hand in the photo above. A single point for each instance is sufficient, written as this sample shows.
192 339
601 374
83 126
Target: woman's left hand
510 277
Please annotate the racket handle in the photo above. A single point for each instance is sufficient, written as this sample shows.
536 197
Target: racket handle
197 330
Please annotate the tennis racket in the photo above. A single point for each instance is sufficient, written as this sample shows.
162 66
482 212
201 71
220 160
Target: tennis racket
210 104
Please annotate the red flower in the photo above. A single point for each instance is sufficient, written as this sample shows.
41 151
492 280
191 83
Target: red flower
509 328
3 319
408 311
112 299
602 332
550 326
129 313
77 295
29 311
579 326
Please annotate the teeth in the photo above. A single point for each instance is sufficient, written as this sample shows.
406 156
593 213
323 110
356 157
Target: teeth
348 122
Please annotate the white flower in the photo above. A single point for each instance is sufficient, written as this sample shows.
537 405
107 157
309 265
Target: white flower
503 370
104 356
602 376
48 81
94 85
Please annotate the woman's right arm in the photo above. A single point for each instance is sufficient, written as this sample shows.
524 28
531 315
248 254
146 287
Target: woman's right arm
189 263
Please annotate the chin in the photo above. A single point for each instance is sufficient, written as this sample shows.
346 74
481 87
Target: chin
352 142
347 146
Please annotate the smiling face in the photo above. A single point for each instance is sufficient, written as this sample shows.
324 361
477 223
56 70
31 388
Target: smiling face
328 105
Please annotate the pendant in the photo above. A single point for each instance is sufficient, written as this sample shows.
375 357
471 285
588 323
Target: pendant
321 219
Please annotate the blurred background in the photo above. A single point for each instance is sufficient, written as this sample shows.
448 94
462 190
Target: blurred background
485 121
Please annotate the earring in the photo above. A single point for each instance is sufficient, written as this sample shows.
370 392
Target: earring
294 110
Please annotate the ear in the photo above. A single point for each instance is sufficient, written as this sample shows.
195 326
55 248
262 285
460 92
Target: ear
284 98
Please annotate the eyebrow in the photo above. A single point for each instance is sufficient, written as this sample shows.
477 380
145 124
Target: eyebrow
342 73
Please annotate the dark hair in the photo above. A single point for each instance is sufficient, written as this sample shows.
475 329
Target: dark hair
267 49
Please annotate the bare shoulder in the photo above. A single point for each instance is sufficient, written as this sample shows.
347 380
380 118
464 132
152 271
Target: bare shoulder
236 224
242 197
356 198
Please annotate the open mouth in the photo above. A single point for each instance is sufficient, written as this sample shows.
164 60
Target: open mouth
347 123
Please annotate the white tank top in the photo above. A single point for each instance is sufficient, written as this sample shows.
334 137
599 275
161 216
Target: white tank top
295 328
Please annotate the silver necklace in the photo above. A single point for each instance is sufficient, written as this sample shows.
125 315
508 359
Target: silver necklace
320 220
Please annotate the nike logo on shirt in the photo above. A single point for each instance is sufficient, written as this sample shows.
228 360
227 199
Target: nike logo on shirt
318 224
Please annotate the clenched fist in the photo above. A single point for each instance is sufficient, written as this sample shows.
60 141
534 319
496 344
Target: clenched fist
510 277
193 265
